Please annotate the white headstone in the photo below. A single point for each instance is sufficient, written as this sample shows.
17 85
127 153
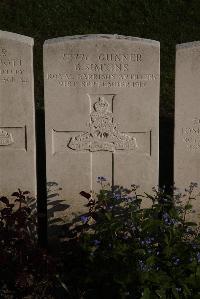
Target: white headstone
17 117
102 114
187 118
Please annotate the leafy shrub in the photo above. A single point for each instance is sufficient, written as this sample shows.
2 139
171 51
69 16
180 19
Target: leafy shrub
25 269
120 250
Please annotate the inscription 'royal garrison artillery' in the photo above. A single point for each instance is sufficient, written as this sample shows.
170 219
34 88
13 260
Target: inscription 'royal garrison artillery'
103 133
5 138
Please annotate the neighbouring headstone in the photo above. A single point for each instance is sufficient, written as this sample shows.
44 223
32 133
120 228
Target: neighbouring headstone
102 116
187 118
17 117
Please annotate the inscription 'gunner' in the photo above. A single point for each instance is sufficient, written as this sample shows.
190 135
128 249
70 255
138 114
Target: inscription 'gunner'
120 57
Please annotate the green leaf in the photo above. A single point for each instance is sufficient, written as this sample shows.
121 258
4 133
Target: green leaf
188 206
146 294
175 293
167 251
166 239
108 216
140 251
161 294
186 290
151 224
198 271
151 260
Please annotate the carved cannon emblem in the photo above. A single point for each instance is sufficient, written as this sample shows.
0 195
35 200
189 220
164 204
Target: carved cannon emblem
103 133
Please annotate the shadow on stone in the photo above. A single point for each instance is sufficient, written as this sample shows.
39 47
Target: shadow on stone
55 205
166 153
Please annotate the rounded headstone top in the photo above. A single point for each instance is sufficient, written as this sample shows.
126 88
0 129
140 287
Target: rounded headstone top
101 37
188 45
16 37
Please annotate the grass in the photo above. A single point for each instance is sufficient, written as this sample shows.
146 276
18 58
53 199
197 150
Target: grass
168 21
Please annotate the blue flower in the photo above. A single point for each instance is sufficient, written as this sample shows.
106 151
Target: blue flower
84 219
198 257
117 196
176 261
97 242
168 220
143 267
147 241
194 246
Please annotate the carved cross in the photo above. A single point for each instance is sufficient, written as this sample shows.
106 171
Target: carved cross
102 134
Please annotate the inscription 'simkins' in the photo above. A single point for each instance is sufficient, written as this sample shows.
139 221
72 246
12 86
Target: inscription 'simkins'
102 67
5 138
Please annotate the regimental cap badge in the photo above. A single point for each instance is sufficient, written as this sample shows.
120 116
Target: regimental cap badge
103 133
5 138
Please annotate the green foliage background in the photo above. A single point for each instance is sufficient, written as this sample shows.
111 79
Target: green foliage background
168 21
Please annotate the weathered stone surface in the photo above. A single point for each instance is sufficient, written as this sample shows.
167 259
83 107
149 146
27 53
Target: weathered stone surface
17 117
187 117
101 106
